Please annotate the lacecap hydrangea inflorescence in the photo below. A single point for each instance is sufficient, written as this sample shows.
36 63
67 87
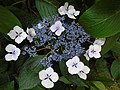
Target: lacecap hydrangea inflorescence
63 47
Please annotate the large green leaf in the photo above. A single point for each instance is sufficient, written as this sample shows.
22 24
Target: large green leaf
110 42
8 86
116 48
7 20
72 78
28 77
99 85
115 69
102 19
46 7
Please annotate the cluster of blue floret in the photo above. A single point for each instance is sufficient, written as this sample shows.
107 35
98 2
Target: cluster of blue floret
63 47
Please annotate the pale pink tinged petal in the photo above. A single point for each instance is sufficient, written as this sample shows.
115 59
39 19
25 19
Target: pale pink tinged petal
12 34
10 48
76 59
47 83
80 66
82 75
49 70
54 77
97 55
23 35
69 63
8 57
53 28
86 69
18 40
97 48
73 70
58 32
18 29
42 75
77 13
91 47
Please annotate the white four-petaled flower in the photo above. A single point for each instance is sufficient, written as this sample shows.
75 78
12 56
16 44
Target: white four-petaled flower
31 34
83 73
74 65
57 28
48 77
94 51
18 34
100 41
69 10
13 52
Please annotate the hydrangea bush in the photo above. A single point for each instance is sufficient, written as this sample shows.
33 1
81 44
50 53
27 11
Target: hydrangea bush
68 47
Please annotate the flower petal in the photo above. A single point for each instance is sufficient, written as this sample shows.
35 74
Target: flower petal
42 75
54 77
76 59
18 29
71 16
47 83
10 48
12 34
17 51
97 47
77 13
86 55
69 63
23 35
58 32
100 41
62 10
8 57
80 66
73 70
53 28
49 70
86 69
97 55
82 75
18 40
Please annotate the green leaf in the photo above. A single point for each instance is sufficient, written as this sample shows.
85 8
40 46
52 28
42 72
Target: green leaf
8 86
38 87
3 65
93 88
63 79
115 69
28 77
72 78
7 20
46 8
116 48
110 42
99 85
102 19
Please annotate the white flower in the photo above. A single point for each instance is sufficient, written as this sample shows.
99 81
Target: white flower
83 72
13 52
72 12
74 65
63 9
48 77
86 55
99 41
57 28
31 34
18 34
69 10
94 51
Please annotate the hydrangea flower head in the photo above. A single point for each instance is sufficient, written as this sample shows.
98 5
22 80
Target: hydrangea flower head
18 34
13 52
48 77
